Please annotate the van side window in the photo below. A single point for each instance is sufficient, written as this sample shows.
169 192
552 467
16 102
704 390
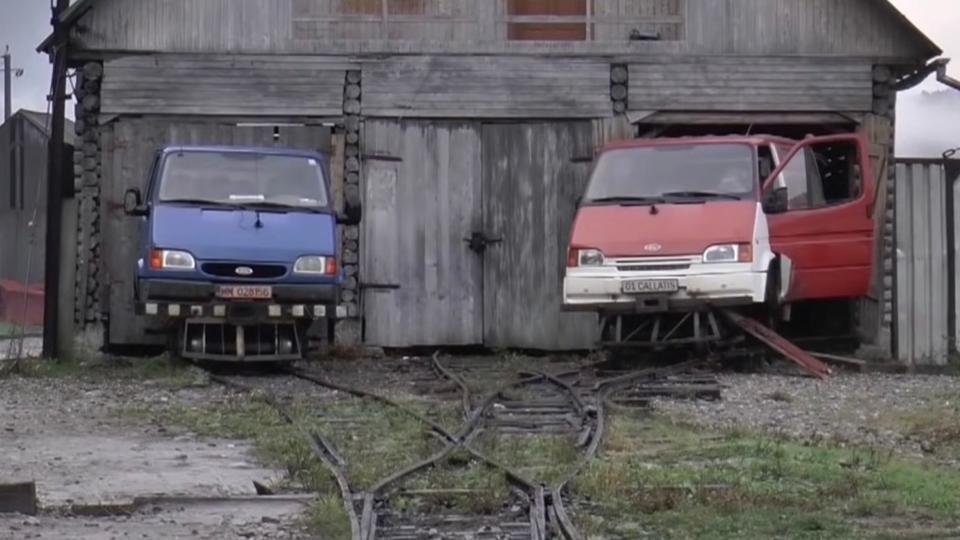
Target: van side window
822 175
796 180
839 171
764 162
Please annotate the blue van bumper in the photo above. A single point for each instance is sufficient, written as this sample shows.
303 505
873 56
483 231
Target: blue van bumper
198 299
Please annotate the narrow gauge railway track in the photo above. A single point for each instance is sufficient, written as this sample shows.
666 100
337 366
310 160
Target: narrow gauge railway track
566 403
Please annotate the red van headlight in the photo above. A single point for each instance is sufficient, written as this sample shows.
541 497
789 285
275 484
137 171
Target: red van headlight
584 257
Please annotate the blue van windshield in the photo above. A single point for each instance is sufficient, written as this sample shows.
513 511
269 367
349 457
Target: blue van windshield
234 178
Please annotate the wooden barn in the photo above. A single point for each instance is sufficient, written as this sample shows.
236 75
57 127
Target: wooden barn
452 120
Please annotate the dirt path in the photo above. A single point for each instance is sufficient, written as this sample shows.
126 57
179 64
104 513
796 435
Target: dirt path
72 436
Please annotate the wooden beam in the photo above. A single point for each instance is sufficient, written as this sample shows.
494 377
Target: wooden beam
20 498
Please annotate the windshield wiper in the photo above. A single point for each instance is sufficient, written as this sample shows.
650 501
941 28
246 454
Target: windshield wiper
268 205
701 195
629 201
199 202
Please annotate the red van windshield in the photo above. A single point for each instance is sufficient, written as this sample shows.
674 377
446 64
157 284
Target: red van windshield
727 170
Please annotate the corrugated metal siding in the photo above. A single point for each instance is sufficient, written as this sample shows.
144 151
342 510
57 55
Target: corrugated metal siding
752 85
922 323
486 87
224 85
23 219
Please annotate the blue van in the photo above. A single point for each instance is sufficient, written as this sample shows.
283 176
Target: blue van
240 250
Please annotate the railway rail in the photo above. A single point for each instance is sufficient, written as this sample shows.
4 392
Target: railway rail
571 404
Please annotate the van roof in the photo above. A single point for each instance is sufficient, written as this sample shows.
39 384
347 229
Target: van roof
711 139
265 150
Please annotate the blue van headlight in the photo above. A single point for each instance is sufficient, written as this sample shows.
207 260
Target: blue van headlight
172 259
316 265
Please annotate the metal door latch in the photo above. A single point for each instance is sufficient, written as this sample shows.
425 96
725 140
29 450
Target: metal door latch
478 242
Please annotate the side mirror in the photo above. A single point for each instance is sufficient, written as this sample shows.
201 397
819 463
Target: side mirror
133 203
352 212
776 201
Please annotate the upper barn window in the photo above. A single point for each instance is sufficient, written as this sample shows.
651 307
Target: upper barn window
489 20
593 20
376 7
547 20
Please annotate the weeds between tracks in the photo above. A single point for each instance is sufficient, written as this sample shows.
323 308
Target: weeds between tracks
562 421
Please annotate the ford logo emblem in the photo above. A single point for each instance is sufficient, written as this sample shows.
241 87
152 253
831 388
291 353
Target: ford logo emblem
652 247
244 271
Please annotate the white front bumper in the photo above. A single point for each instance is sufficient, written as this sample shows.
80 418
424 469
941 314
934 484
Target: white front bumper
728 284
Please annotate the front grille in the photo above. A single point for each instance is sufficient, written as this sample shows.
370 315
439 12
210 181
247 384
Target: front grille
652 267
229 270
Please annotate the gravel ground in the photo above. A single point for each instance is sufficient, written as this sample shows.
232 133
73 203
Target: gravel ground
847 409
68 435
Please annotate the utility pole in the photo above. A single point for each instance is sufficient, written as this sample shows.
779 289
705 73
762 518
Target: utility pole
7 86
55 186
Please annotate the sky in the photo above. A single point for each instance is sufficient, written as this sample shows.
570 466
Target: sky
924 124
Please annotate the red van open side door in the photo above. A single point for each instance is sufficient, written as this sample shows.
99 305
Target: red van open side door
819 204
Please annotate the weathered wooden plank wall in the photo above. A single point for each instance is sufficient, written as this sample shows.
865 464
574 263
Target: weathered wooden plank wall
486 87
711 27
417 213
224 85
129 147
530 190
751 85
788 27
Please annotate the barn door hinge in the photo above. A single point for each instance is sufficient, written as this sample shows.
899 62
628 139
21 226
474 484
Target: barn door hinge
379 286
381 157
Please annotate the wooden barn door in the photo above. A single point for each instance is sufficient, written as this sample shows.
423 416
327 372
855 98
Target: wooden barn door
530 187
129 146
422 191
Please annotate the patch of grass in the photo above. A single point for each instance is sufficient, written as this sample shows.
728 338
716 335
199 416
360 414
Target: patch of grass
690 484
162 368
328 515
8 330
374 441
482 490
936 425
543 459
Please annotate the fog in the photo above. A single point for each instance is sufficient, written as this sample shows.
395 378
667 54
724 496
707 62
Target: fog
927 123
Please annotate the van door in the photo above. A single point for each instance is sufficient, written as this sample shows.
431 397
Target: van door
825 234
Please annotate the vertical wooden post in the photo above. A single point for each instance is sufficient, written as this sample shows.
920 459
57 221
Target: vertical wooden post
55 177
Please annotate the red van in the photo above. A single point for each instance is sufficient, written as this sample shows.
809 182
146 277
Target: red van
669 225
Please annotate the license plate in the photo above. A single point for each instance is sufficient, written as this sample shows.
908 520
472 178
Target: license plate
650 286
245 292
